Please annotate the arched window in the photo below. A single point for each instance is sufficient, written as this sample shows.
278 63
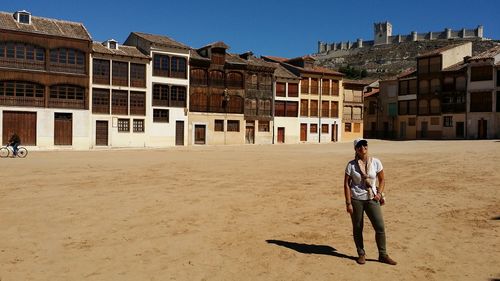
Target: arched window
67 60
250 107
216 78
198 77
423 107
423 87
22 93
216 103
22 55
198 102
435 86
435 106
235 104
67 96
235 80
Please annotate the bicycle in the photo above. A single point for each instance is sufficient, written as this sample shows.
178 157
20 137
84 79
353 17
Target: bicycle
8 151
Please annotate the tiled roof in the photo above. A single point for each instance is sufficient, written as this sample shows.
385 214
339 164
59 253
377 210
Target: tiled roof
373 92
193 54
489 54
275 59
259 62
161 40
123 50
46 26
440 50
218 44
234 59
455 67
282 72
363 82
321 69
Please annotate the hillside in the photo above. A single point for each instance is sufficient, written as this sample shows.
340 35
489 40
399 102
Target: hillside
388 60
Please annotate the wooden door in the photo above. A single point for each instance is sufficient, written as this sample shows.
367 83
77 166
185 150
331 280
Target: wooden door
334 132
402 130
101 133
303 132
281 135
423 130
199 134
250 132
63 129
179 132
19 122
460 130
482 129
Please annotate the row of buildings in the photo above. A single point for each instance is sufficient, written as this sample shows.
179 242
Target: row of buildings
450 95
59 88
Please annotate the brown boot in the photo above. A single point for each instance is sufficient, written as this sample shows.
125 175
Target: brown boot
361 259
386 259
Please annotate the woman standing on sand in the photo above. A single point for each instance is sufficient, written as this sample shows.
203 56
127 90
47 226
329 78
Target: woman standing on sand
362 195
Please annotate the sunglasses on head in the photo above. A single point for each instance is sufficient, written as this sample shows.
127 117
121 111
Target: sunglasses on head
361 143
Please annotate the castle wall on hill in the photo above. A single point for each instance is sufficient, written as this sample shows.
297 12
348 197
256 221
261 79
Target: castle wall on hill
383 36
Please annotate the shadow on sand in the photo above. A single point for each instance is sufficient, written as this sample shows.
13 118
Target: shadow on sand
311 249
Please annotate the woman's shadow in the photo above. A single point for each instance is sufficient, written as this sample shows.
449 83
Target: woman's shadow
311 249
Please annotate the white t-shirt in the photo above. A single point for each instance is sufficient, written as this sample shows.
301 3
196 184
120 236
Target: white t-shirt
358 189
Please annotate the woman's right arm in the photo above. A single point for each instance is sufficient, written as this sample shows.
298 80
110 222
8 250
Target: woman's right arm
347 193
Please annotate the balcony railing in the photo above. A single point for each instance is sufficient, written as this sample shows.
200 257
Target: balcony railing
64 103
37 65
22 101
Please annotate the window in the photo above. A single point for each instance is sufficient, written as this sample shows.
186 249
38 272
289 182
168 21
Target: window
138 103
138 75
67 96
178 96
119 102
412 87
219 126
216 78
403 87
314 86
304 107
481 73
335 109
22 55
293 90
178 67
120 73
123 125
423 65
412 107
335 88
292 109
160 95
100 101
347 128
435 86
279 108
313 128
324 128
481 102
138 125
264 107
314 108
304 87
100 72
24 18
325 87
67 60
435 109
280 89
263 126
325 109
160 65
218 58
19 93
423 87
435 64
372 107
160 115
423 107
233 125
235 80
198 77
448 121
460 84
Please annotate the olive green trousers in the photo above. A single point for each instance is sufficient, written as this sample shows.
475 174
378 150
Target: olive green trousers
374 212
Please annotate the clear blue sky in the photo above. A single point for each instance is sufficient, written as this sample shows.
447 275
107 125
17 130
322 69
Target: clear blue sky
266 27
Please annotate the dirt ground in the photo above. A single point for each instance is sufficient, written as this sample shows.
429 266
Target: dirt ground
265 212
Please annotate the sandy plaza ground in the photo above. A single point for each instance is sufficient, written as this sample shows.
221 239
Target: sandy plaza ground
262 212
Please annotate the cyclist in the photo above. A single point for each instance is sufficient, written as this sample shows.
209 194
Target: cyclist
14 141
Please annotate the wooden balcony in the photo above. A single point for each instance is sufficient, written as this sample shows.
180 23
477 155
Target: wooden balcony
35 65
22 101
65 103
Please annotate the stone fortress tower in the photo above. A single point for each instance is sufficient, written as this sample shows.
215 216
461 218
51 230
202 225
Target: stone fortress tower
382 32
